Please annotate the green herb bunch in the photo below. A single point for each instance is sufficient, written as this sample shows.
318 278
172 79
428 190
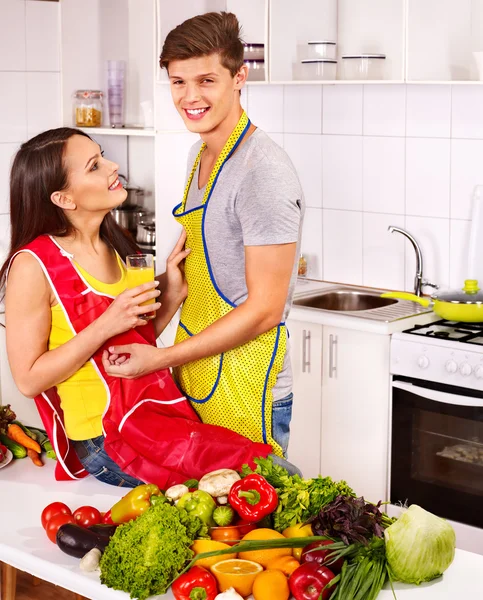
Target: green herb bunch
298 499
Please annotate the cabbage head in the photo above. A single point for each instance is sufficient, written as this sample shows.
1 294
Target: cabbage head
419 546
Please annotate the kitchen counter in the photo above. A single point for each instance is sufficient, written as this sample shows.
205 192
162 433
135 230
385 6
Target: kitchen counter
349 321
25 490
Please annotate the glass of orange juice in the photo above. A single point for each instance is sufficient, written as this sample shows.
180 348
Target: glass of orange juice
140 269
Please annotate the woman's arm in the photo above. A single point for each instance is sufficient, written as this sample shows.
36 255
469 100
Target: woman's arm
28 303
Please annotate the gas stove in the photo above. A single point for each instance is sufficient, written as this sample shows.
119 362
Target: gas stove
444 352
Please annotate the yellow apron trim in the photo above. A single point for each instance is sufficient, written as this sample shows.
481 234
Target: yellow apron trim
233 389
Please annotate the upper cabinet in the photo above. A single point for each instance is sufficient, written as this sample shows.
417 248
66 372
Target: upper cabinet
95 31
444 40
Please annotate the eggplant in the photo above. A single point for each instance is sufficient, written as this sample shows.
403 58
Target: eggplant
77 541
104 529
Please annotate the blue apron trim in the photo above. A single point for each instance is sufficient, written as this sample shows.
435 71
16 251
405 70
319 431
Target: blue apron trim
186 212
203 400
183 326
205 205
264 397
215 385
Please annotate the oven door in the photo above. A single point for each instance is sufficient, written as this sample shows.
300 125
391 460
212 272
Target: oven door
437 449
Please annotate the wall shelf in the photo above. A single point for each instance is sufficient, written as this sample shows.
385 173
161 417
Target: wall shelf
130 131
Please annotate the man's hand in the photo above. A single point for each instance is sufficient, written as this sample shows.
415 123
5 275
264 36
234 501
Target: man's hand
142 360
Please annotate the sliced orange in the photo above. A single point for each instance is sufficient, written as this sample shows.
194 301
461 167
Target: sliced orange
236 573
200 546
264 556
271 584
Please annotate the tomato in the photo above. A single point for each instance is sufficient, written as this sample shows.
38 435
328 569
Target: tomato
53 509
55 522
106 518
85 516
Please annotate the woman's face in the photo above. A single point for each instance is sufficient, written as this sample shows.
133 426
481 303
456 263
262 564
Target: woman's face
93 185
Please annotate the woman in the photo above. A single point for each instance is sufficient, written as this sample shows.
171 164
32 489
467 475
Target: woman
66 299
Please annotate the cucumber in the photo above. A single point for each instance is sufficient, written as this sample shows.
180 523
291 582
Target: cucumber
17 450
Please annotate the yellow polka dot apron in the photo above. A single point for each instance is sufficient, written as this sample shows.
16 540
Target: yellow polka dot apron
233 389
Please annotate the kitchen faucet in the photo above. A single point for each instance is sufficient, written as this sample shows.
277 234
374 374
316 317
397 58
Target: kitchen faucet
419 282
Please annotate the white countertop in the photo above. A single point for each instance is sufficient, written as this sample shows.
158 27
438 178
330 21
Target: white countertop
339 319
25 490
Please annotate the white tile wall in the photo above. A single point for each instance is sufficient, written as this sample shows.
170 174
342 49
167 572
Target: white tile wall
29 82
342 244
302 111
383 174
342 110
306 153
342 172
384 110
429 111
42 36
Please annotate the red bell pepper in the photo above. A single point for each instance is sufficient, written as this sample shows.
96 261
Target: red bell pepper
253 497
309 580
195 584
3 452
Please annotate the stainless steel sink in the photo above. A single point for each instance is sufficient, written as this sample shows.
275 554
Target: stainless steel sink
358 302
345 300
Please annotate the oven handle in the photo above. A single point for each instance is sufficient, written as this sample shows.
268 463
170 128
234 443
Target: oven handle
438 396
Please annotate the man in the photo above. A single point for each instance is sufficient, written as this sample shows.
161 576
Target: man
242 210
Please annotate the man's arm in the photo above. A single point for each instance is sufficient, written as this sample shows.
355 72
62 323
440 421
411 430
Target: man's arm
268 270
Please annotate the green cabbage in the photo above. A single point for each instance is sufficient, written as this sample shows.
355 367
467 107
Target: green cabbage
419 546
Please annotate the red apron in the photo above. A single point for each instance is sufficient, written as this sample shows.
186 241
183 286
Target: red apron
151 431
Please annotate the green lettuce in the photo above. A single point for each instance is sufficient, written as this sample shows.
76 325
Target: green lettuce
419 546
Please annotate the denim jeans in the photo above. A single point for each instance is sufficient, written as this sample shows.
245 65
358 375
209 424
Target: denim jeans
98 463
281 416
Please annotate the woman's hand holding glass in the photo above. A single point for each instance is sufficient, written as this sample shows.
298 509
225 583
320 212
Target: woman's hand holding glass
126 311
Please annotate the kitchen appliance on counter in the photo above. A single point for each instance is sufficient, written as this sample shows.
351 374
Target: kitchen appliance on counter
437 424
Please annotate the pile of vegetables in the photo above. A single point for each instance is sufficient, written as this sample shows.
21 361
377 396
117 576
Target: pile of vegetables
282 537
22 441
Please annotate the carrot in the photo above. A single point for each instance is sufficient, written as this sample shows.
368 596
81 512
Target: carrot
35 457
16 434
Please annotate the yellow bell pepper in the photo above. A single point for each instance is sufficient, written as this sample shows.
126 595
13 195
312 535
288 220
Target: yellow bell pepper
134 503
299 530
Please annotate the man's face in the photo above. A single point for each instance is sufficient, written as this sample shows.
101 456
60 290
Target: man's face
204 91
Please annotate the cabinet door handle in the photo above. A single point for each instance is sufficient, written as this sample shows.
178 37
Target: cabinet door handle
306 351
332 356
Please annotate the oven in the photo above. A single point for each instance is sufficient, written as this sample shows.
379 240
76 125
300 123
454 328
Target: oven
437 449
437 431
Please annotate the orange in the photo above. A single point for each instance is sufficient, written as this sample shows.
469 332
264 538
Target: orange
200 546
271 584
299 530
286 564
264 556
236 573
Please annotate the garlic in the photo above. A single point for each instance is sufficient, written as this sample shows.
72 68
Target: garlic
175 492
229 594
90 561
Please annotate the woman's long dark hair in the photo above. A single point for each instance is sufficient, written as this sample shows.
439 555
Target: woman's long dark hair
38 171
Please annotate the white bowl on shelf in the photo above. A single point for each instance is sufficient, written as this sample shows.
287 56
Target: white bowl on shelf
316 69
363 66
322 49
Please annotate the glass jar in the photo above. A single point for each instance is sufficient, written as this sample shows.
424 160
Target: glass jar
88 108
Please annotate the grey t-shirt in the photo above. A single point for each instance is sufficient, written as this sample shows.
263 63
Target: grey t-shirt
257 201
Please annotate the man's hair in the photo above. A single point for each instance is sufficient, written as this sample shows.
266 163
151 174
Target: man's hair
211 33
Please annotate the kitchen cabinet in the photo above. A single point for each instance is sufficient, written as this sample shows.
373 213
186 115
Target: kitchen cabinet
355 409
305 343
340 421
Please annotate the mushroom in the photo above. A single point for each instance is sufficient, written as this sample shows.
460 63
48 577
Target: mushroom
218 483
175 492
